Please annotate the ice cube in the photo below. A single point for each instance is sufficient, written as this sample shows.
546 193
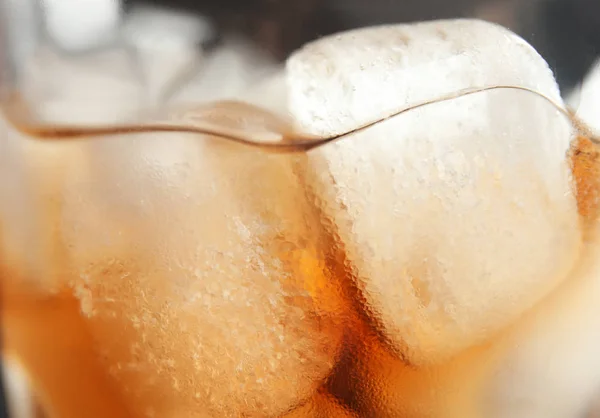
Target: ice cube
203 275
75 25
457 216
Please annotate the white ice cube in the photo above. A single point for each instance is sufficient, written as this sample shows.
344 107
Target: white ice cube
458 216
76 25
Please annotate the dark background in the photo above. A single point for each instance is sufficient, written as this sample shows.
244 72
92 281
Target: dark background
565 32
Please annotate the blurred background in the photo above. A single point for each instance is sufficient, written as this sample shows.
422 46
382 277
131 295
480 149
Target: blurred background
565 32
250 34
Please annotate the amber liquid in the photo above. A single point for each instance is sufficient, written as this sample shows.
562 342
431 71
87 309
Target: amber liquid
48 333
50 337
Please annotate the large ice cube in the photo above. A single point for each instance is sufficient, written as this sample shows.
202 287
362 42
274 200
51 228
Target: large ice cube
202 272
457 216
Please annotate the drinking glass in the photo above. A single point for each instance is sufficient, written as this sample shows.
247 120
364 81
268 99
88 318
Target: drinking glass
204 265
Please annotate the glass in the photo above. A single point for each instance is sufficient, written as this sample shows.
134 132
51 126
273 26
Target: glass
156 273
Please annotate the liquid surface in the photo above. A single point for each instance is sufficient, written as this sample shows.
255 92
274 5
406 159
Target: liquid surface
273 132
